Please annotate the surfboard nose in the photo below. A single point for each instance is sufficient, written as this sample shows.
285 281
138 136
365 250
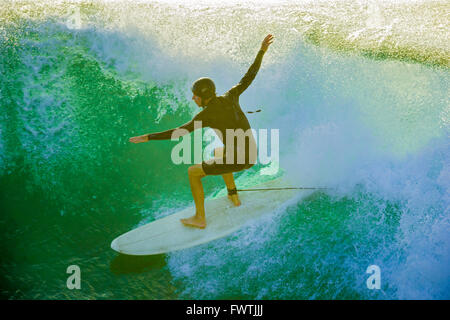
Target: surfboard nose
114 245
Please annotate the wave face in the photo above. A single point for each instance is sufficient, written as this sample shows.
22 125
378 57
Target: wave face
358 90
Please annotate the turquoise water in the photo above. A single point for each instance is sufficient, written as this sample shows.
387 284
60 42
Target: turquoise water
362 107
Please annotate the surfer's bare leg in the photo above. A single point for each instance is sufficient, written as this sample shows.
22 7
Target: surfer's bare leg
229 181
196 173
228 178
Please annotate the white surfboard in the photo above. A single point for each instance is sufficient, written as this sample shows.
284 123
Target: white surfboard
222 218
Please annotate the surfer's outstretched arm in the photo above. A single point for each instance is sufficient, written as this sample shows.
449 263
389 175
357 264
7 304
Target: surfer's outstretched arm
188 127
253 70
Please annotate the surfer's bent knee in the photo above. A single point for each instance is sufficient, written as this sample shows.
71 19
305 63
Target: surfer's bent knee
196 171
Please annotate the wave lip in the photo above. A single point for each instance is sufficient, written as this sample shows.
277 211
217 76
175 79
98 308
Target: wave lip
416 31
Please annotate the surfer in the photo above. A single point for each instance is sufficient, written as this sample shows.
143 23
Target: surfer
219 113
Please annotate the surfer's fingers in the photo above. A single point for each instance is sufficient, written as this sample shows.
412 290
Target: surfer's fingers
268 41
135 140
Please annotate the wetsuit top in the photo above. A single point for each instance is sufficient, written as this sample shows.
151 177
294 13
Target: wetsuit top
222 112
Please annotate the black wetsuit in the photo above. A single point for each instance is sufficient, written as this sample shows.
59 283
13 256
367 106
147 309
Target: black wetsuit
221 113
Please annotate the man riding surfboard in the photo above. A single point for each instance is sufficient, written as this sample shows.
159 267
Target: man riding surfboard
224 115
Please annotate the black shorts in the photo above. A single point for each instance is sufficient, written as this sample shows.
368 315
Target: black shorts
210 167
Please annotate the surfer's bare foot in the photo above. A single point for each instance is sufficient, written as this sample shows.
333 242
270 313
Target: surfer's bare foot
194 221
235 199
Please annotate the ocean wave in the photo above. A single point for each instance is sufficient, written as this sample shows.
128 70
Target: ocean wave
414 31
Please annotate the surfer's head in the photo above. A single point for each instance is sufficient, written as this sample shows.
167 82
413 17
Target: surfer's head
203 89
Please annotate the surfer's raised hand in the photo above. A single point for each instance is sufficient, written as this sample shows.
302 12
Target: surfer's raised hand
139 139
266 42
